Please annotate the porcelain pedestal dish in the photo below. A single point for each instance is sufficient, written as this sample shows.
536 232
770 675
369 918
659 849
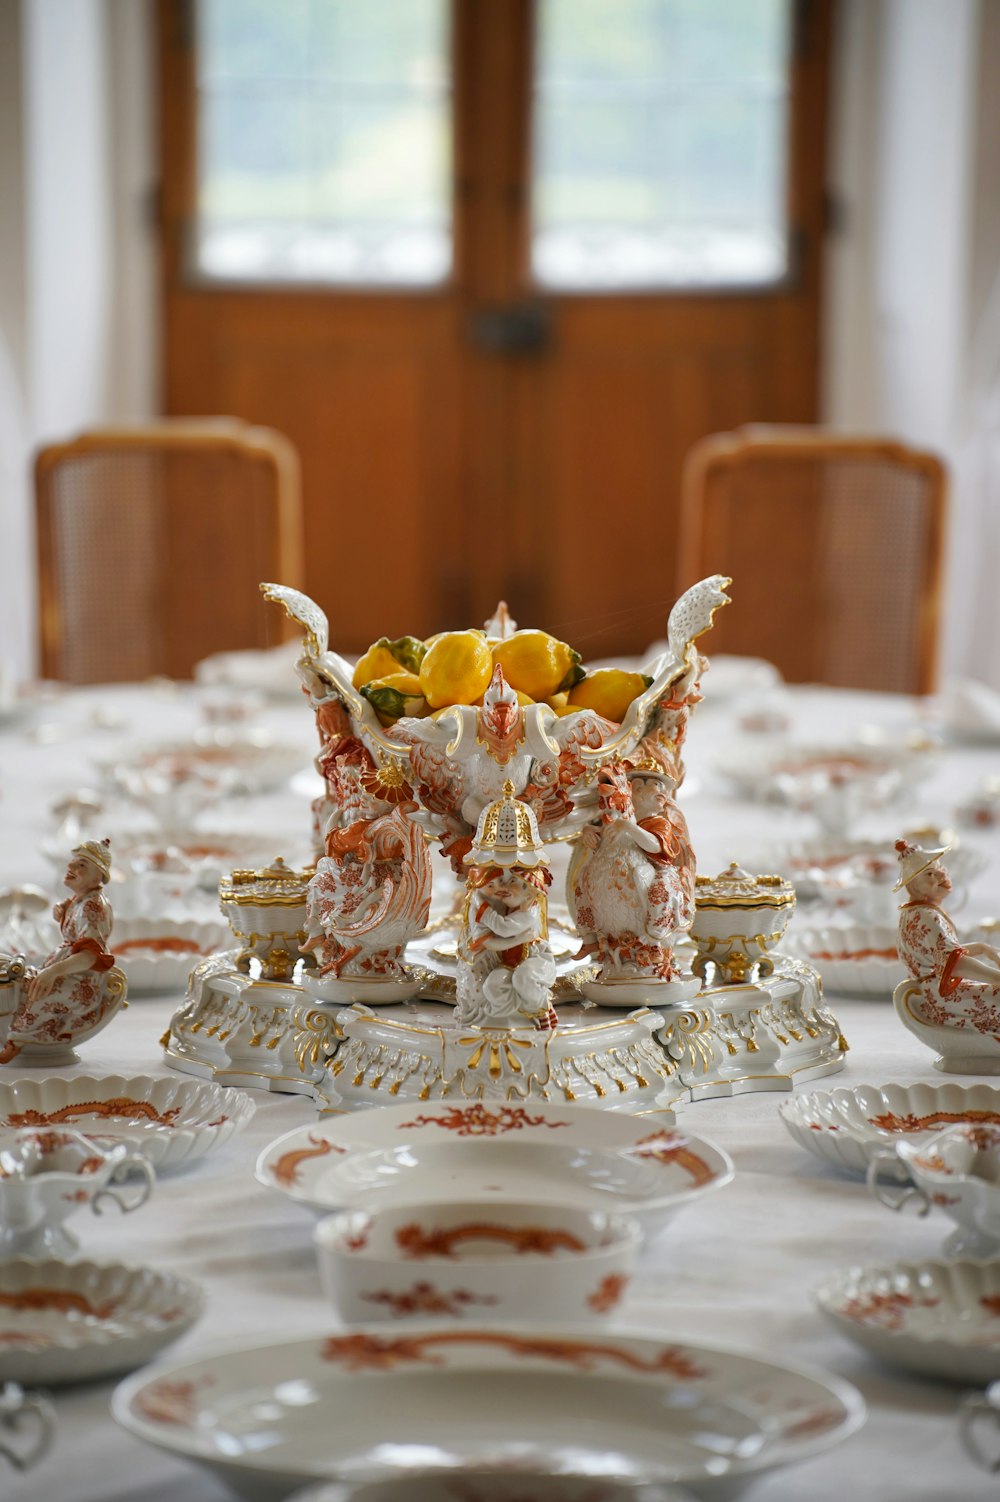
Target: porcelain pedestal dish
359 998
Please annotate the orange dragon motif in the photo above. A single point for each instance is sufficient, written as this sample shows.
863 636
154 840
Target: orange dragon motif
63 1300
363 1352
120 1105
668 1148
286 1170
414 1241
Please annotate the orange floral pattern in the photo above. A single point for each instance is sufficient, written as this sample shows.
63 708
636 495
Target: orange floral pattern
608 1293
481 1121
424 1298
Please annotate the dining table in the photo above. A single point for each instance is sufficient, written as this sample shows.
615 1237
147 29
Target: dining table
736 1268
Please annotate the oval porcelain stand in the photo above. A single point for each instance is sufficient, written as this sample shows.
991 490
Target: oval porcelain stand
359 998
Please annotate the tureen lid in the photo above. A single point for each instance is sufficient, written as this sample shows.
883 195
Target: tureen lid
735 887
276 883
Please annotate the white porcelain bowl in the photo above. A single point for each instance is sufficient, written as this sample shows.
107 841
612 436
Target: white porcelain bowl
539 1152
478 1259
158 954
848 1126
171 1120
68 1321
48 1173
958 1172
940 1318
853 959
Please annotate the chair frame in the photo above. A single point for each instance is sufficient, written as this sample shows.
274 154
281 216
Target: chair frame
721 453
167 435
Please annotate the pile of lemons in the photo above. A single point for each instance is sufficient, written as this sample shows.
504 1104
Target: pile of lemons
409 677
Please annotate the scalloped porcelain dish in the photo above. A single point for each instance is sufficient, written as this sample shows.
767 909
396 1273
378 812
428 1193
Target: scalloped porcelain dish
171 1121
268 1418
939 1318
848 1126
853 959
535 1152
855 877
70 1321
769 769
253 758
158 954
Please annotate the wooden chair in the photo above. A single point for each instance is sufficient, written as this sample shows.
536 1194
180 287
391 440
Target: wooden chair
835 547
152 542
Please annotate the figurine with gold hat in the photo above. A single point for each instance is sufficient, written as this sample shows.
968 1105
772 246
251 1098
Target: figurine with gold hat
952 999
78 988
506 970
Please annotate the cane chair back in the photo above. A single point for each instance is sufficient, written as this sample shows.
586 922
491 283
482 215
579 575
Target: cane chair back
152 542
835 547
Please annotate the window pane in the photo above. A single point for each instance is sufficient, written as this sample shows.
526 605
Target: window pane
324 148
660 143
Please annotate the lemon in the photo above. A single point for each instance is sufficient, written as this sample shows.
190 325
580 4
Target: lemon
456 669
537 664
560 703
385 657
394 695
609 691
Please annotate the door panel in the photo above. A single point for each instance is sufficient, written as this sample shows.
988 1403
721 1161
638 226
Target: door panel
442 471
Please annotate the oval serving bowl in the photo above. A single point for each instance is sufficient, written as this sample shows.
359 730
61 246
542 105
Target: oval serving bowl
537 1152
848 1126
501 1261
853 959
171 1121
158 954
66 1321
268 1418
940 1318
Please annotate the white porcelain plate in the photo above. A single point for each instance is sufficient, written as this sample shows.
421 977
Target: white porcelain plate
525 1151
66 1321
370 1405
854 959
172 1121
846 1127
941 1318
158 954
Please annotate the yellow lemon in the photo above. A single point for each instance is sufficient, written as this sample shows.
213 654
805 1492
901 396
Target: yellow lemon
537 664
377 662
395 695
456 669
609 691
560 703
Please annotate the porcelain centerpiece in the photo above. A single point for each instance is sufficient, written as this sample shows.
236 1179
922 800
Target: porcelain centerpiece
475 756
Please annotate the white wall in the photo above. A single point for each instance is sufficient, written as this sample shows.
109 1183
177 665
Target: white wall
915 163
78 298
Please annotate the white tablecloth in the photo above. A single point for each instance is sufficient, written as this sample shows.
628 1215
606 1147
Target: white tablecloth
738 1268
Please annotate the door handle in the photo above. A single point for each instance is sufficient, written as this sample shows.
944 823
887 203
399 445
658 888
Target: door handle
511 329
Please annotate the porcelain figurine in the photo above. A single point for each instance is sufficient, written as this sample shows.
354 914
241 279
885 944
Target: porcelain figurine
952 1000
78 988
371 893
631 886
505 966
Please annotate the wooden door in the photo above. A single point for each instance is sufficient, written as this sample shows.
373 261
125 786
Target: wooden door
491 436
